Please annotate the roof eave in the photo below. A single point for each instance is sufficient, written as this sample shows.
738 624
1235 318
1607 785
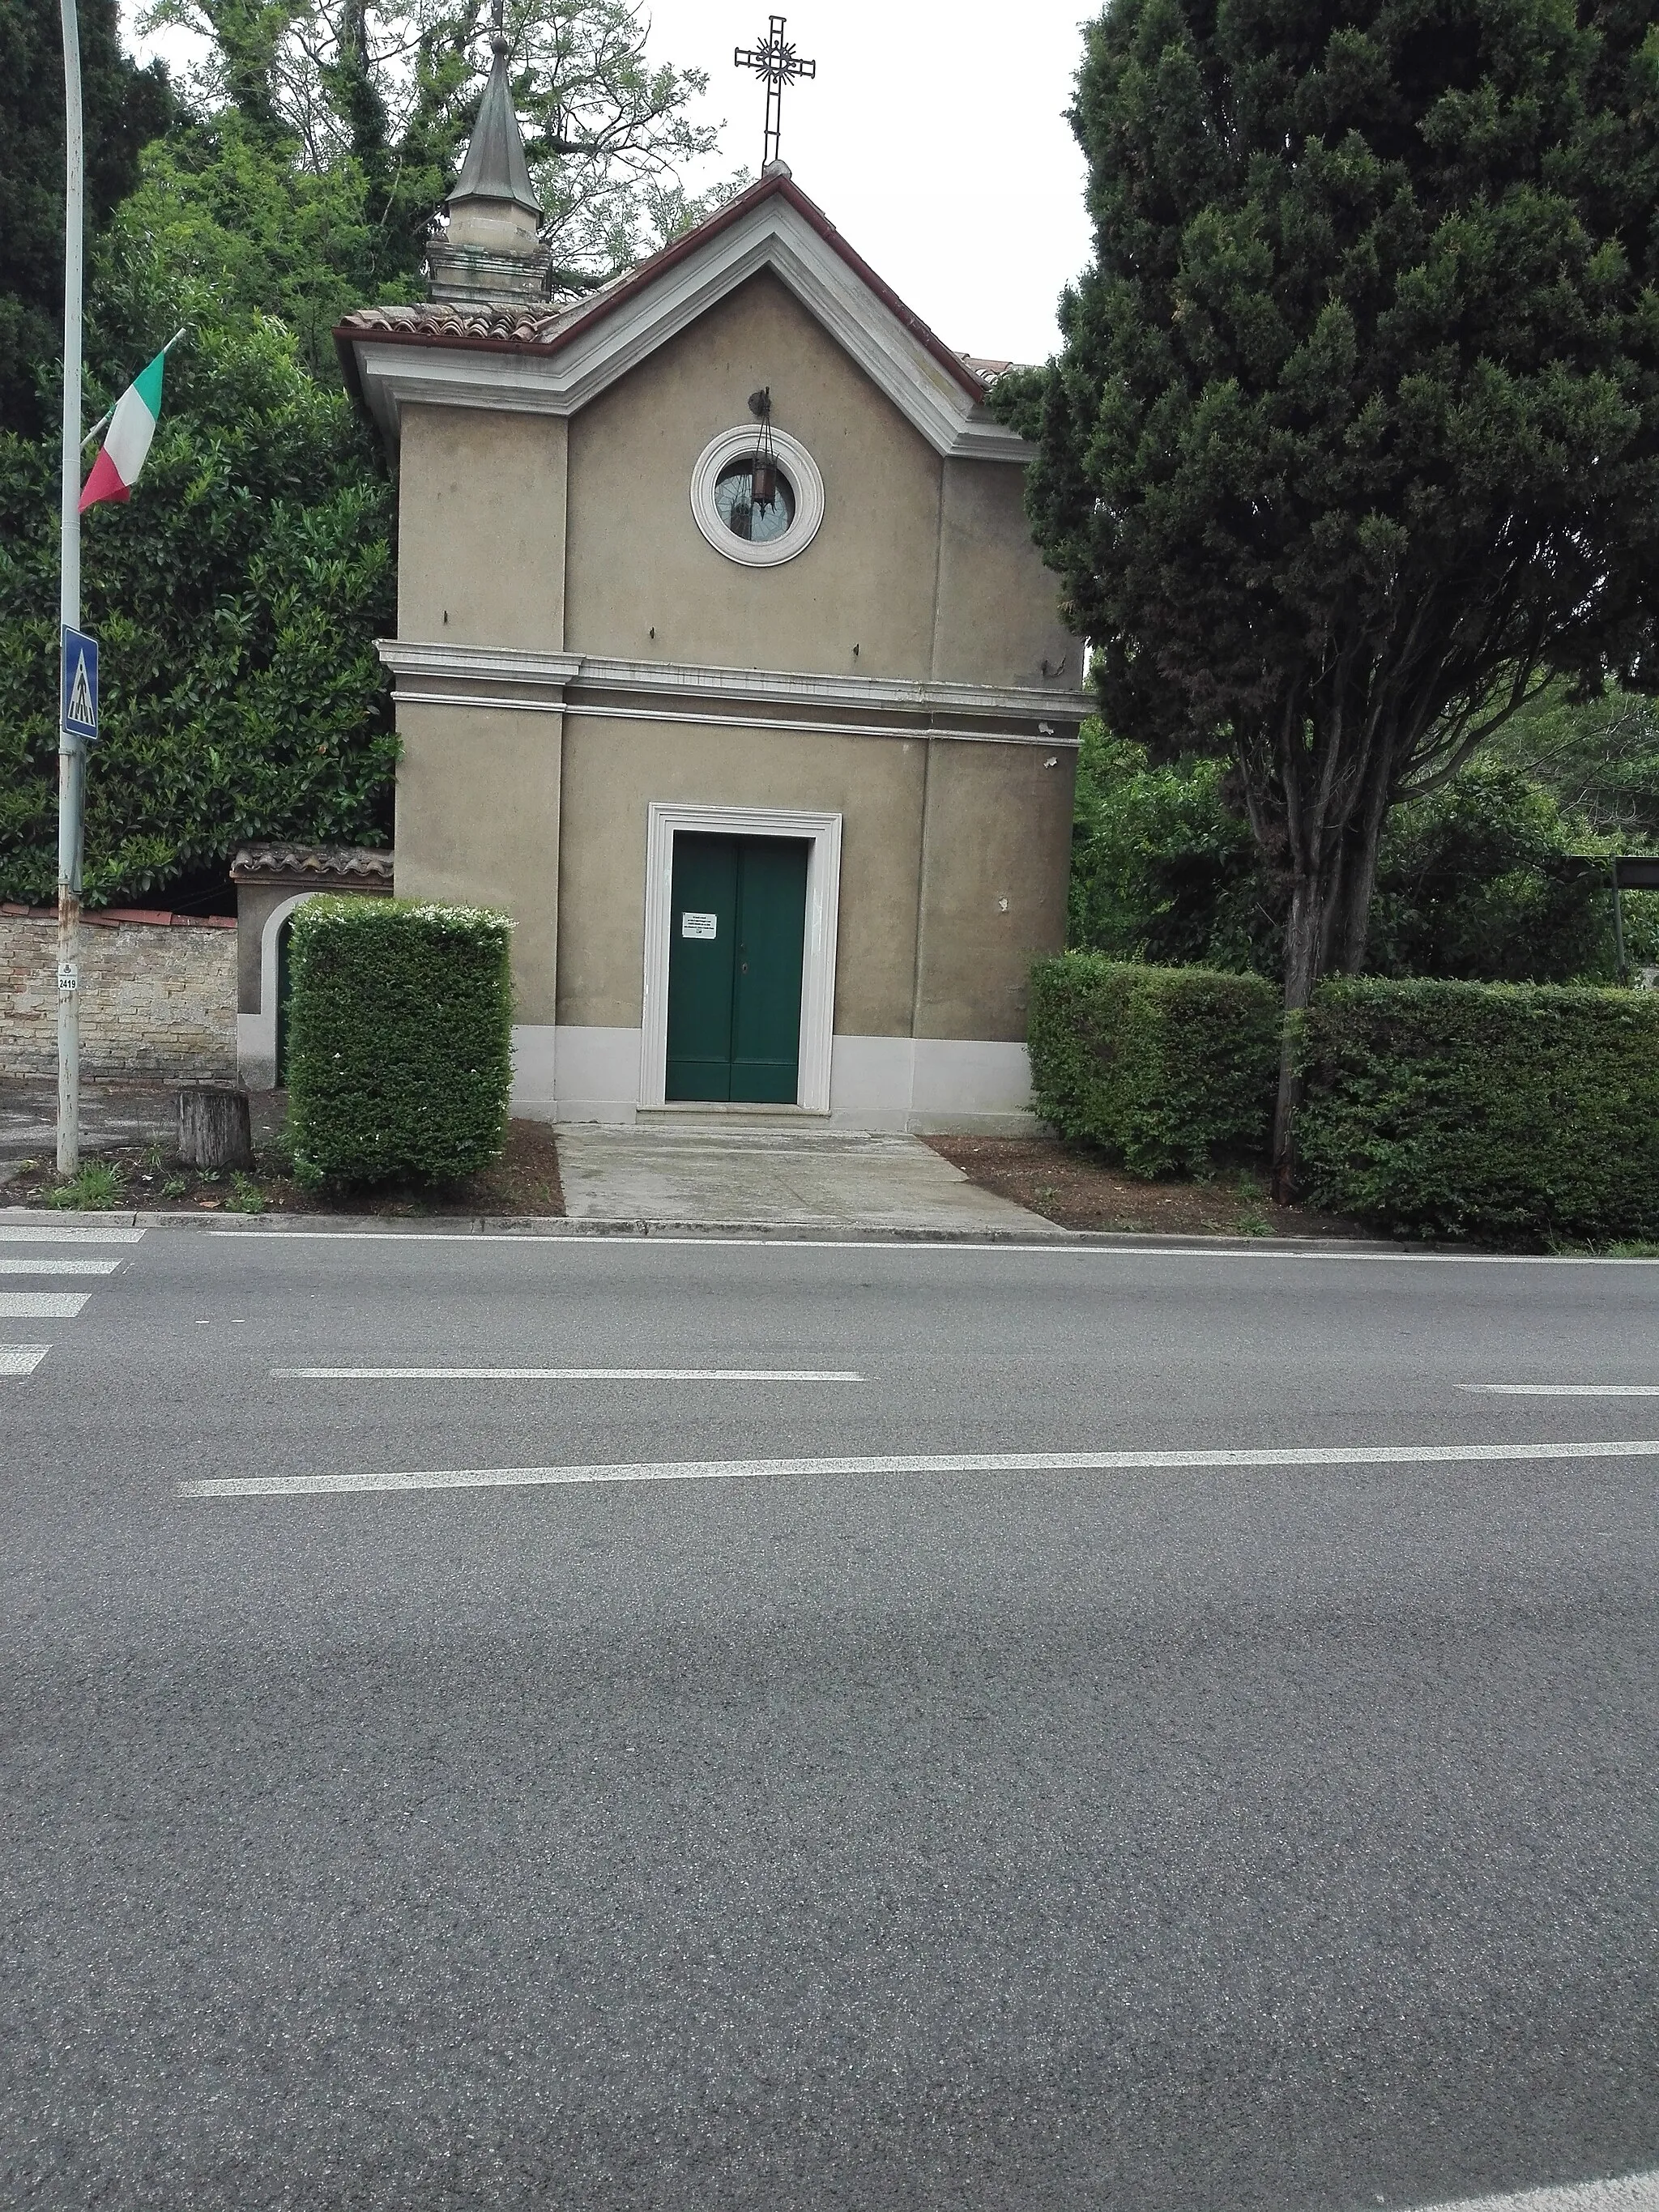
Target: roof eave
649 272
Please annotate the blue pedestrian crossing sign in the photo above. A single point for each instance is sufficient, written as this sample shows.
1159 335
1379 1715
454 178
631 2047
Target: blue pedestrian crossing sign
80 685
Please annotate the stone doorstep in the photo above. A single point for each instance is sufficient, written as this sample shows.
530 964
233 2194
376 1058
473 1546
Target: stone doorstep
725 1114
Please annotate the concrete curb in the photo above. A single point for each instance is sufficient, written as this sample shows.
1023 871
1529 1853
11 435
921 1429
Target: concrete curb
816 1232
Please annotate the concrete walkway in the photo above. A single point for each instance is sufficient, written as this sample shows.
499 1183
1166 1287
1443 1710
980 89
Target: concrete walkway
703 1175
695 1172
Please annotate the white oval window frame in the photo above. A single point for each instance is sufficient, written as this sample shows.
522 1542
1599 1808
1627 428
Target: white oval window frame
797 464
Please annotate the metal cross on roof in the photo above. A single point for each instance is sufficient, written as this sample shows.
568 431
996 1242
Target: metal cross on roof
779 64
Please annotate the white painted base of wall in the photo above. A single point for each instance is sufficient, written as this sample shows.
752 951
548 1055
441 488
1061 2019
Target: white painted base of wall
877 1084
598 1076
937 1084
256 1051
533 1097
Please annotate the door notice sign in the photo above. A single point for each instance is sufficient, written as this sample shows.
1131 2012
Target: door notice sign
699 925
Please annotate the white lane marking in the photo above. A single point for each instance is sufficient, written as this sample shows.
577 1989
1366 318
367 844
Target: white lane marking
51 1267
564 1375
740 1470
41 1305
1248 1249
1630 2192
68 1232
21 1359
1566 1389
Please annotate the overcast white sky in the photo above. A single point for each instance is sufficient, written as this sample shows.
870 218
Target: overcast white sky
934 139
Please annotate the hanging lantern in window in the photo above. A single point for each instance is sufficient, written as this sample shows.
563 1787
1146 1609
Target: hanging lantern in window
764 469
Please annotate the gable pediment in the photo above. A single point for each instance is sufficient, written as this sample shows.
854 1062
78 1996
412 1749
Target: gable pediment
555 360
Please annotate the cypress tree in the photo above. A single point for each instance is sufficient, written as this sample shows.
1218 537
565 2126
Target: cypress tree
1353 441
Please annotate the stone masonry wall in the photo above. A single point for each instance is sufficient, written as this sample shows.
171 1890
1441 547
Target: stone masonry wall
158 996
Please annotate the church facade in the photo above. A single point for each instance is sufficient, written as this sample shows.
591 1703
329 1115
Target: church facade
724 665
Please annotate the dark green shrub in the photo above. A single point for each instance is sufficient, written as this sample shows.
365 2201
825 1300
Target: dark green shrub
399 1040
1511 1111
1163 870
1165 1068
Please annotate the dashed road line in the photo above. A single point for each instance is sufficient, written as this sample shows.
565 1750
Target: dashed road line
742 1470
1629 2193
564 1375
1566 1389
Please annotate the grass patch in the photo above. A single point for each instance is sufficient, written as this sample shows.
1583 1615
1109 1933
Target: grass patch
245 1195
96 1186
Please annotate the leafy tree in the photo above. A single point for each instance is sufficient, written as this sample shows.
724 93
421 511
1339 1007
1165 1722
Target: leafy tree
225 209
124 106
392 91
1354 438
1599 757
237 598
1162 870
1486 879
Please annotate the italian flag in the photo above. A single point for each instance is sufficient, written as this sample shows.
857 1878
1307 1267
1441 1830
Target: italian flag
127 441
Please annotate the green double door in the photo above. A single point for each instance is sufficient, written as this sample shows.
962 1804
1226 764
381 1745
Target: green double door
739 931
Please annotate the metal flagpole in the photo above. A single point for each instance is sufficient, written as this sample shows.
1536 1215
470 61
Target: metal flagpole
71 750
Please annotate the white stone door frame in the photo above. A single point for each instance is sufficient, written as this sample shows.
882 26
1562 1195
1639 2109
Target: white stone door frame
256 1034
822 833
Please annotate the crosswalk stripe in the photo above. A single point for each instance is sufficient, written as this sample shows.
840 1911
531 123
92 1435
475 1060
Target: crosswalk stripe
47 1266
21 1359
67 1233
41 1305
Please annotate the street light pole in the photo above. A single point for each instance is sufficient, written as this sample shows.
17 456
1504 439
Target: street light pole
71 750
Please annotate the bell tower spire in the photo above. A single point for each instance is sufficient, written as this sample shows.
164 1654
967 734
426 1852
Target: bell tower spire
491 254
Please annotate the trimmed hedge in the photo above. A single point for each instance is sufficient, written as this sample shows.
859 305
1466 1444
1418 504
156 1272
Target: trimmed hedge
1508 1111
399 1040
1168 1069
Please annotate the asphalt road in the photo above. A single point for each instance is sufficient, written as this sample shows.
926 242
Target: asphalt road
1177 1838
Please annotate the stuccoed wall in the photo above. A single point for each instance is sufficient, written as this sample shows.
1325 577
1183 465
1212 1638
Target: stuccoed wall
967 841
480 528
526 530
927 566
157 998
478 814
524 533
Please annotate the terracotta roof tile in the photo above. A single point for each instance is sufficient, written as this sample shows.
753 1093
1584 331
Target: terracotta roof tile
322 863
514 324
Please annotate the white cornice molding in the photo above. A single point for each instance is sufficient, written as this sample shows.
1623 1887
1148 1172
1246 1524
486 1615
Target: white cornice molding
774 235
551 676
482 664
